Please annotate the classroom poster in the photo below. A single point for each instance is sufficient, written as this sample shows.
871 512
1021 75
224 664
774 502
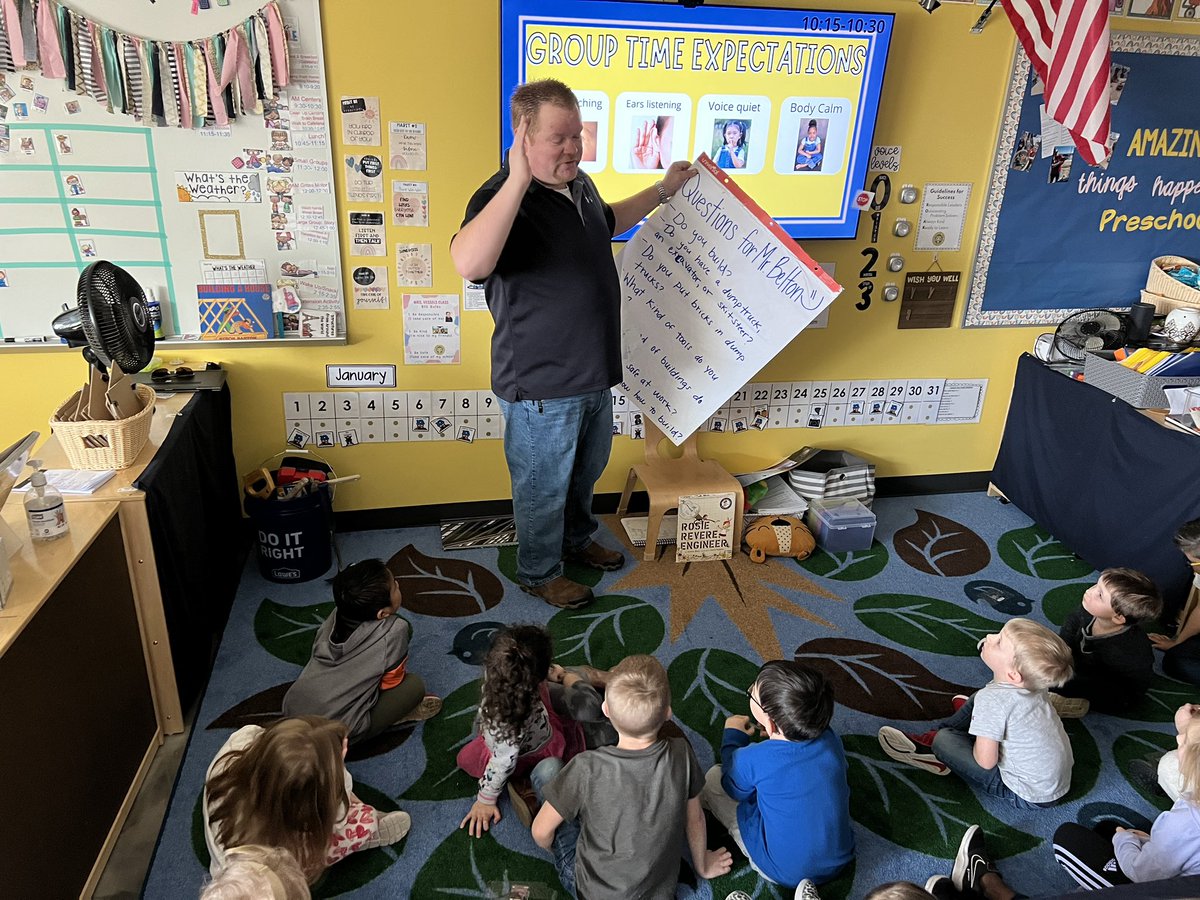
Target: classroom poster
414 265
711 290
360 121
370 287
406 145
410 203
431 329
364 182
367 234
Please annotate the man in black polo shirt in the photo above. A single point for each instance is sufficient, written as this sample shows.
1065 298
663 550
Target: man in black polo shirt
538 235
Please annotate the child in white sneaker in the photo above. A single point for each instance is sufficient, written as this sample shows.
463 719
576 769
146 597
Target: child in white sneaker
1006 739
286 786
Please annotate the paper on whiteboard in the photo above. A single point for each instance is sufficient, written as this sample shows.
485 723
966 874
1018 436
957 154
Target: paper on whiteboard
711 291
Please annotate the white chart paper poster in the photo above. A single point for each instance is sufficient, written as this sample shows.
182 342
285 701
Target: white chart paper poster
431 329
711 291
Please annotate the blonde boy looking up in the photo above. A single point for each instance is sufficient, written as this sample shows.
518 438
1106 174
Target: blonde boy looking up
616 817
1113 656
1006 738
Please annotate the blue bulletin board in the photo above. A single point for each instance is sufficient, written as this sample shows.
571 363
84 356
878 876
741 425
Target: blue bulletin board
1048 248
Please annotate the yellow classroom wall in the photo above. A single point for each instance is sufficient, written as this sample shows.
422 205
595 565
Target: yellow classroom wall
438 63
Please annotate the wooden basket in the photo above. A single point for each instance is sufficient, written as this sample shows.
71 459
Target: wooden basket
1160 283
1164 305
120 440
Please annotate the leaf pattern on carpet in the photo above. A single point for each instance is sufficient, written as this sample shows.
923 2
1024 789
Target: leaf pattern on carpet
606 631
879 680
936 809
262 708
444 586
471 643
1086 768
287 632
941 546
1140 745
707 687
463 866
444 735
1164 697
853 565
1091 814
925 623
739 586
345 876
506 562
999 596
1032 551
1063 600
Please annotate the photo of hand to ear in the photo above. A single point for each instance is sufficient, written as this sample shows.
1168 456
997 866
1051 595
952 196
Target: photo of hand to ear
652 142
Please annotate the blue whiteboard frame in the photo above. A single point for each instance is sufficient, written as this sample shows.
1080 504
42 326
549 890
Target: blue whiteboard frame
1041 253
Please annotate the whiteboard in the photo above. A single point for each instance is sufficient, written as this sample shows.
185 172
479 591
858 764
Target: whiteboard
99 185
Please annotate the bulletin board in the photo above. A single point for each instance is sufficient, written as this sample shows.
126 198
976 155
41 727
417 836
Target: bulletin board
191 213
1050 247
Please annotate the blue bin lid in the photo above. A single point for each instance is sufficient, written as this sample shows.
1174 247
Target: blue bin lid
843 513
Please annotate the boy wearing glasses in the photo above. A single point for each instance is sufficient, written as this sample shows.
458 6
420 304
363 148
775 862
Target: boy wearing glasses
785 800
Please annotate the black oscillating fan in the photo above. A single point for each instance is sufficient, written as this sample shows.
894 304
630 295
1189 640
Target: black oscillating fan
112 324
1087 331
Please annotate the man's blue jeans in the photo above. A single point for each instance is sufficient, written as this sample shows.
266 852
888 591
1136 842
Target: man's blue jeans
566 837
556 451
955 746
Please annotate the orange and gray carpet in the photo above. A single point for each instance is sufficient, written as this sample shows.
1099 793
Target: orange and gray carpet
894 628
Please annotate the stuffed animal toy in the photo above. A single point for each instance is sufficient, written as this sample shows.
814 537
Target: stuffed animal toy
779 536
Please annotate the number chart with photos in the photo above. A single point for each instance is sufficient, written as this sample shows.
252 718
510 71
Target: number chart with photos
347 418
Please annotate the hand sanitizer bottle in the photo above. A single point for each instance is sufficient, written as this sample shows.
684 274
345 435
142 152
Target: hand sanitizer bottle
44 507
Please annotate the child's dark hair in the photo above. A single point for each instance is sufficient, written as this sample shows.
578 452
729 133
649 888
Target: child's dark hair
796 697
1187 538
360 591
1133 594
514 668
812 123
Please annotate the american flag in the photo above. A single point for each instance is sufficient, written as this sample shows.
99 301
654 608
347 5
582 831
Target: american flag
1067 42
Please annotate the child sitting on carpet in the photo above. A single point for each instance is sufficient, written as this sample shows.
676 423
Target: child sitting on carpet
262 873
1181 653
762 791
286 786
1113 657
358 670
519 727
1171 848
616 817
1005 739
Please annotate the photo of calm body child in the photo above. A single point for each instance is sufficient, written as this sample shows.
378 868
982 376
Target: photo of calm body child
810 147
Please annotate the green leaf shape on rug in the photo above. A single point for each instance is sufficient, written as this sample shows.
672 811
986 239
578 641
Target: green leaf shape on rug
742 877
463 866
448 587
605 632
287 632
853 565
1063 600
1164 697
1032 551
924 623
708 686
347 875
1086 770
919 810
444 735
1137 745
941 546
506 562
879 680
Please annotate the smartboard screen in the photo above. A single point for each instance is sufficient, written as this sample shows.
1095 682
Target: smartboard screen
785 101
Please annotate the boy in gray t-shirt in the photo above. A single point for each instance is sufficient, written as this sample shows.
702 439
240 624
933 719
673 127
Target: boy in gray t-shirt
1006 739
616 818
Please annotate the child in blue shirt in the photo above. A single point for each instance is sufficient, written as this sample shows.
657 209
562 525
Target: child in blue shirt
785 800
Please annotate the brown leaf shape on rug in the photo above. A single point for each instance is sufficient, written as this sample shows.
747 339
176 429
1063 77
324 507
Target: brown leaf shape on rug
941 546
444 586
878 680
262 708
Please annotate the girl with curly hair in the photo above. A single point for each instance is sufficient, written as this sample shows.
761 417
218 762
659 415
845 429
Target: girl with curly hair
286 786
518 725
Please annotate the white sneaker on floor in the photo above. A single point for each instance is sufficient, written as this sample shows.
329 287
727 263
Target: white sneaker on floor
393 827
806 890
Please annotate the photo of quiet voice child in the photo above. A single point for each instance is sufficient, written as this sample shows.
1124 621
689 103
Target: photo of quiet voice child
651 142
810 148
729 144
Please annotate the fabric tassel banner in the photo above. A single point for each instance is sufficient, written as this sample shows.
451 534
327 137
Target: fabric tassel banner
181 84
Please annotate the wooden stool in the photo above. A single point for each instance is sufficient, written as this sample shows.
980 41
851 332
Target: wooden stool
668 478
